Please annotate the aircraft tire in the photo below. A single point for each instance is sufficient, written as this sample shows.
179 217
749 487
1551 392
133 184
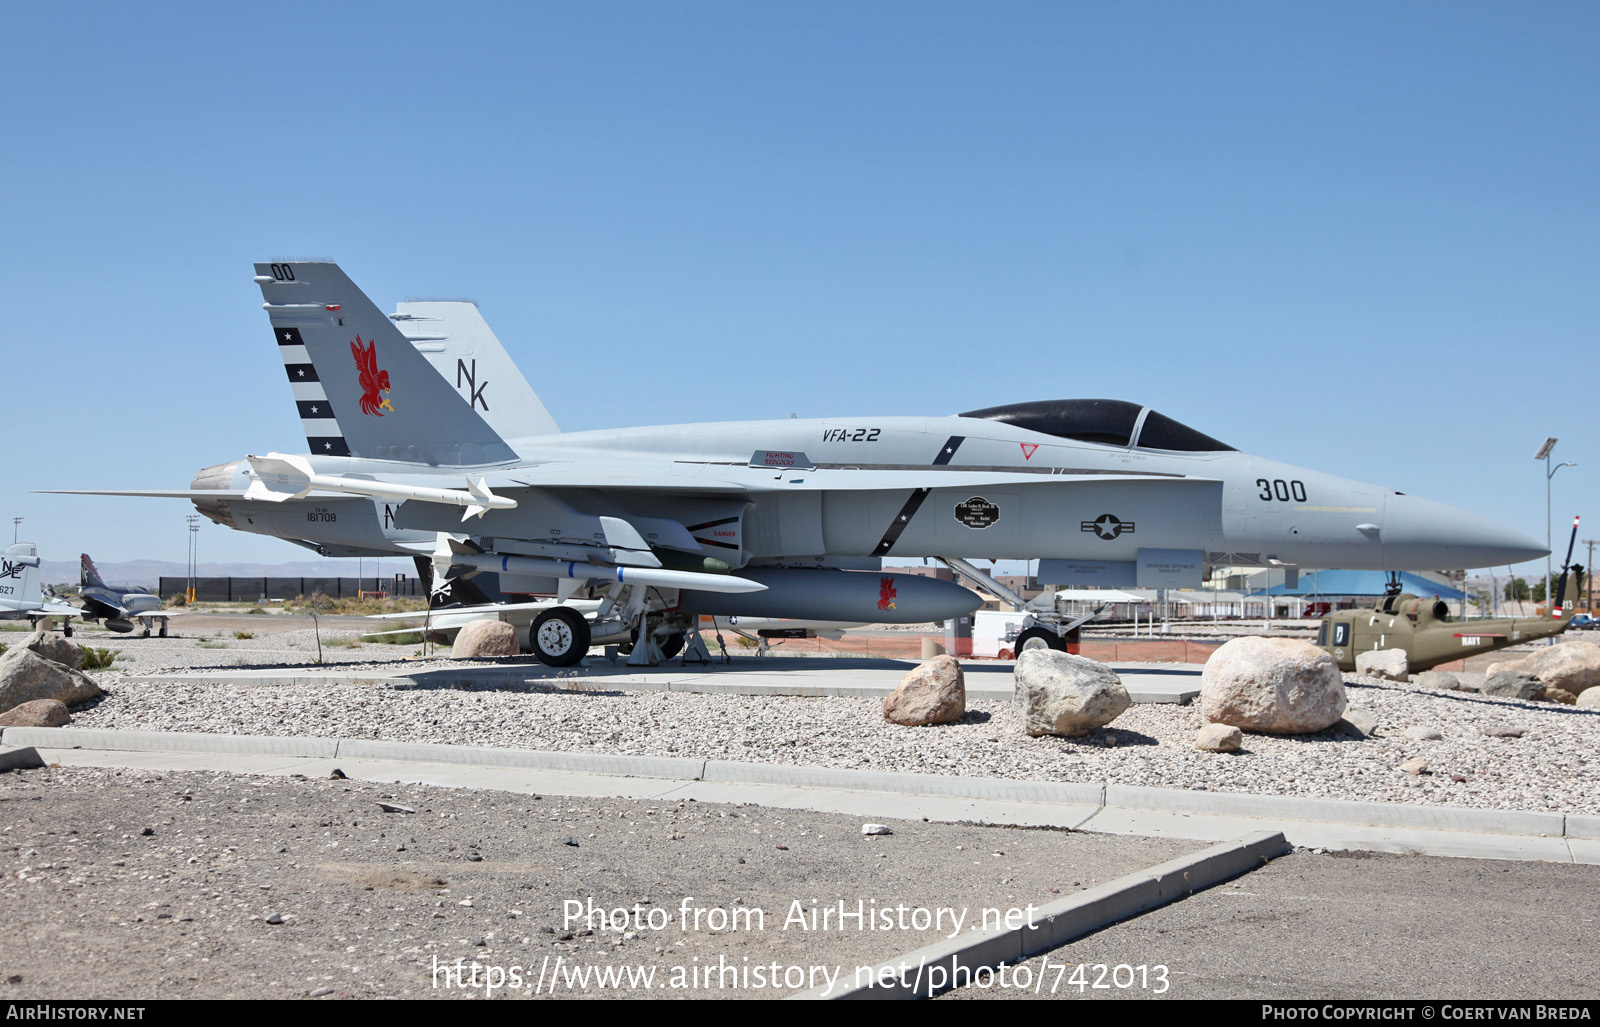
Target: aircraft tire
559 637
1039 638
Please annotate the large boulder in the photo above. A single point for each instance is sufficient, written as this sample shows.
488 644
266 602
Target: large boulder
1384 664
55 649
1571 666
1061 694
1278 686
935 692
481 638
1511 684
1442 679
26 676
38 713
1589 700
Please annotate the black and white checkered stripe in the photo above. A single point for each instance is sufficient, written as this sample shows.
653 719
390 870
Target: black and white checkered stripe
323 434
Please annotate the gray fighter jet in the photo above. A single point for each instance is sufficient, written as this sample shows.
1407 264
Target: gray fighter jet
21 595
1105 491
119 609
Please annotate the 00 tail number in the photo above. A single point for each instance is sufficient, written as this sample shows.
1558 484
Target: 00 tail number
1280 490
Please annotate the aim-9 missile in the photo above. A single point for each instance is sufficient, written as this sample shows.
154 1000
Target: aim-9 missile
278 477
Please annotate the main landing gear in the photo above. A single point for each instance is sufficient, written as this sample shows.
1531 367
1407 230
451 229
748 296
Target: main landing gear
559 637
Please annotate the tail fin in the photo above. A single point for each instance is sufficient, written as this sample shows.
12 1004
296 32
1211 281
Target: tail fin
362 389
459 344
88 574
1562 606
457 591
19 578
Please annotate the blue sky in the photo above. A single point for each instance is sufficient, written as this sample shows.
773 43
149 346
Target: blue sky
1358 237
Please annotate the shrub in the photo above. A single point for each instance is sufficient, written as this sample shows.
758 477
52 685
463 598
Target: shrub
97 659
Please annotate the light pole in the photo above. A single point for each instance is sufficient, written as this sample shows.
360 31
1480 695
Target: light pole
1588 574
16 525
1544 454
194 555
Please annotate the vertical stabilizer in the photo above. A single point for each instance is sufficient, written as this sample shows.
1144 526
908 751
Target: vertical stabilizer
363 390
88 574
459 344
19 578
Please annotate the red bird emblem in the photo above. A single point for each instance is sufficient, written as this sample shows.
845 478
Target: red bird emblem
373 381
886 593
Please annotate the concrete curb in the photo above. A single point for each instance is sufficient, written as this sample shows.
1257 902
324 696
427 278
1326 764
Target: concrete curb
1579 826
530 759
907 784
1369 814
1104 796
27 758
168 741
938 967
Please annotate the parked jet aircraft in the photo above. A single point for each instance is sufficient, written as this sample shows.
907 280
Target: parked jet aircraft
116 608
1114 491
21 594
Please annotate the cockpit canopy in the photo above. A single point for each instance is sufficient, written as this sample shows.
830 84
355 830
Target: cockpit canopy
1105 422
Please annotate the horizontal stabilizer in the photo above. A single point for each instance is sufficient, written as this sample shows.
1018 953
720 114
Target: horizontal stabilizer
151 493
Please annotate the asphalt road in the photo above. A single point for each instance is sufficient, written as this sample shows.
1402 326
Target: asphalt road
1348 925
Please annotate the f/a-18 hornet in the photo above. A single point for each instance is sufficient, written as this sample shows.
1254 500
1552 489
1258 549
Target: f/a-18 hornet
761 513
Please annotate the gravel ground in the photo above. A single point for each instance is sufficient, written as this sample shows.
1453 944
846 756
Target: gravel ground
1553 766
137 885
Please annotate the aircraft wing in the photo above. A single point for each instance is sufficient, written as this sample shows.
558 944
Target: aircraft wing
175 493
44 609
642 475
742 478
156 614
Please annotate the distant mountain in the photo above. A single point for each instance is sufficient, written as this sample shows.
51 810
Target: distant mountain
149 572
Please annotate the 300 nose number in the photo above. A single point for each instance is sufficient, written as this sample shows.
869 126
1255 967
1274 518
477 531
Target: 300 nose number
1281 490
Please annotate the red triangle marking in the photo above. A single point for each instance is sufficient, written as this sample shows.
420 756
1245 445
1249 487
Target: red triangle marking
1027 449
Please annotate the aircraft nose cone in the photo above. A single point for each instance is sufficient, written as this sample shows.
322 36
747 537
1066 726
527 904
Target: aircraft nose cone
1421 533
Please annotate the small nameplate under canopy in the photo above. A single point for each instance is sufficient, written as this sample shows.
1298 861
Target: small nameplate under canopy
780 458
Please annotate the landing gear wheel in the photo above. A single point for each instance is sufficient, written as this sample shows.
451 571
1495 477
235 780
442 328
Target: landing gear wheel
66 628
163 629
1039 638
559 637
146 630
